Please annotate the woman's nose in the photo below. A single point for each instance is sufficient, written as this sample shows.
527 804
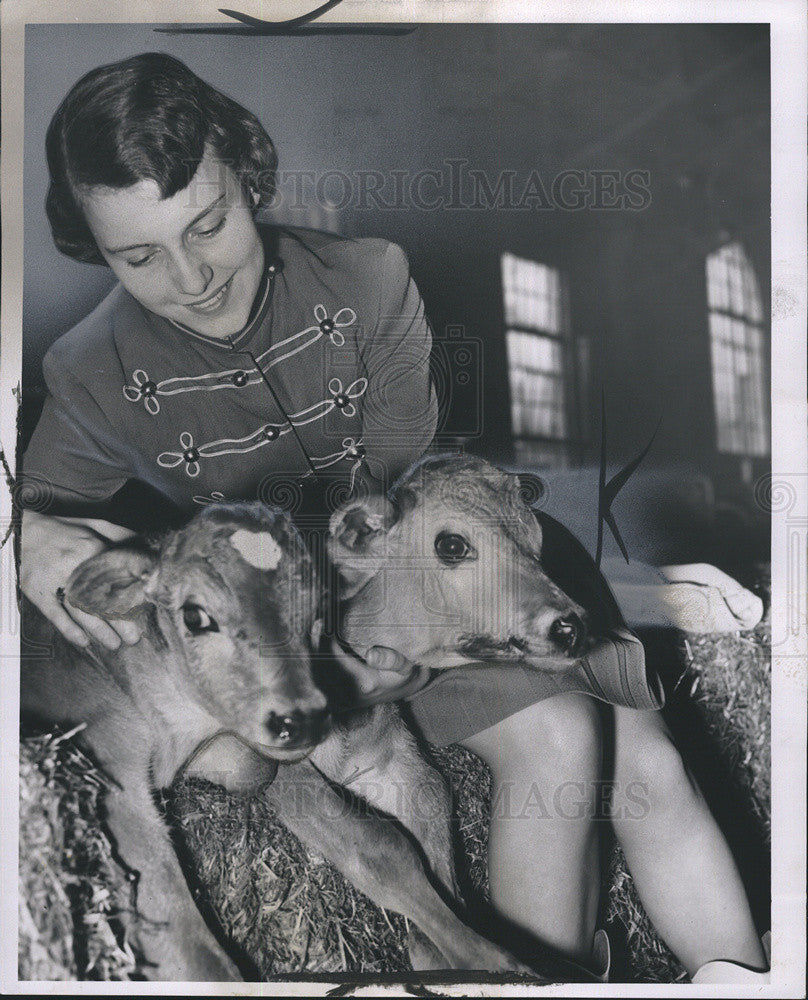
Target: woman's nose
190 275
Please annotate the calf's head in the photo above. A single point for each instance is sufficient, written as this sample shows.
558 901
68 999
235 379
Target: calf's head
227 607
448 571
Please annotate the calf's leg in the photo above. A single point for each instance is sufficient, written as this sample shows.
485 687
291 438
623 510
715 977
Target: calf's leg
375 756
175 942
379 859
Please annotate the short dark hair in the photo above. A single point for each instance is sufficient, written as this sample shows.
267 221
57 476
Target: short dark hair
145 118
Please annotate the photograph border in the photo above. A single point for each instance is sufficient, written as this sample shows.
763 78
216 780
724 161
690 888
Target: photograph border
789 480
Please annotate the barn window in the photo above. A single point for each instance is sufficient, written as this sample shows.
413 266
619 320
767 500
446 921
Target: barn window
537 329
737 351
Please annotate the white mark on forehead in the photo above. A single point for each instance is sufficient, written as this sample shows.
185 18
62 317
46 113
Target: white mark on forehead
258 548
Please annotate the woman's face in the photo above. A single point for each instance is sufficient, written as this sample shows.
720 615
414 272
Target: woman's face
195 258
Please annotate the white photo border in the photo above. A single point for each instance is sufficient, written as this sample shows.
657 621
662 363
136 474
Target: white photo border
789 456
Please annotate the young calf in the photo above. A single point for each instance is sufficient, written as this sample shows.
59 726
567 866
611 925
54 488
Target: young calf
221 678
225 609
447 570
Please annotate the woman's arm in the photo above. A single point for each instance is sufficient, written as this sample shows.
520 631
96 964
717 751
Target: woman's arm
74 462
400 410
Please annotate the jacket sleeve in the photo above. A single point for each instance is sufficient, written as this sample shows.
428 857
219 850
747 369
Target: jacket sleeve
74 460
400 410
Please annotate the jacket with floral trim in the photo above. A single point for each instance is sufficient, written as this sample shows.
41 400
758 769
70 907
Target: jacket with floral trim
331 373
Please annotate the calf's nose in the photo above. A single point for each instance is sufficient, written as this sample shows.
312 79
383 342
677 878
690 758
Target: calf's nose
568 633
297 729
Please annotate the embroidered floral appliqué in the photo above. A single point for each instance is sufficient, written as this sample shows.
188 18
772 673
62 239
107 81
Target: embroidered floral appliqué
342 398
189 454
351 449
146 390
215 497
143 389
331 326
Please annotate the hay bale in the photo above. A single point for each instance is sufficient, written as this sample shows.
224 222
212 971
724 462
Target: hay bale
73 894
288 912
720 711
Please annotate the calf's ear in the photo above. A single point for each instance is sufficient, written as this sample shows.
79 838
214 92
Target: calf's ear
112 584
357 526
356 532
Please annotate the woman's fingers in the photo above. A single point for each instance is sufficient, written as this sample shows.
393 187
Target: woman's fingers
365 677
61 620
383 670
94 627
128 631
52 549
385 659
79 627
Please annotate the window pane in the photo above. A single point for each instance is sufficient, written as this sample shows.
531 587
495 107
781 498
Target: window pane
534 296
736 302
717 282
752 304
732 285
537 385
531 292
736 346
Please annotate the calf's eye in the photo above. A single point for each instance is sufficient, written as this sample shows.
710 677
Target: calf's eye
451 548
197 620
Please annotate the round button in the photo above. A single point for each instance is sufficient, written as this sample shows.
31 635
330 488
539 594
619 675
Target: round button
270 433
148 388
239 379
275 267
341 400
190 455
327 326
358 451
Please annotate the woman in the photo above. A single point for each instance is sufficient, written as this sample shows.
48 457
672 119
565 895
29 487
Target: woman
180 378
234 360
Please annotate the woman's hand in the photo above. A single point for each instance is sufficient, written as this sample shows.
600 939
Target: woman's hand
52 547
735 608
384 674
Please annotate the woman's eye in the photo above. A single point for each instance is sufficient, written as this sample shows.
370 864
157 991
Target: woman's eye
452 548
141 261
214 229
197 620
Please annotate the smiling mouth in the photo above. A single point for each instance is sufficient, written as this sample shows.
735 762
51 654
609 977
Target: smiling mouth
213 303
